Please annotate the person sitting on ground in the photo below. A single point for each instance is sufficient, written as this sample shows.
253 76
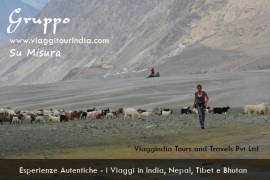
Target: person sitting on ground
152 72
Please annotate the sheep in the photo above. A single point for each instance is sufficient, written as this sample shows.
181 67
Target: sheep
118 112
56 112
38 112
145 113
140 110
11 112
104 112
110 114
62 112
249 109
266 106
220 110
54 119
168 110
260 109
154 111
24 115
165 113
92 114
194 111
48 112
91 110
27 118
186 110
75 115
131 112
6 110
33 118
83 115
255 109
210 109
39 118
99 111
99 116
15 118
63 117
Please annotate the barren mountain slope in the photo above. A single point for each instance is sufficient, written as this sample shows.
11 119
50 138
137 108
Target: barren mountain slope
176 36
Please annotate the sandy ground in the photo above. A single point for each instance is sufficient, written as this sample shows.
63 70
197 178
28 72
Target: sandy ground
116 138
225 89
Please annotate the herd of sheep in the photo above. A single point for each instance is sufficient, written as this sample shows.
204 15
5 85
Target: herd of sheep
259 108
54 115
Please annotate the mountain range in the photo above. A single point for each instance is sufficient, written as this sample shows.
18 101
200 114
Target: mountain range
174 36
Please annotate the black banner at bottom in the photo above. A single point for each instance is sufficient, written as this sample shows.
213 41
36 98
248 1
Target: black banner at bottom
135 169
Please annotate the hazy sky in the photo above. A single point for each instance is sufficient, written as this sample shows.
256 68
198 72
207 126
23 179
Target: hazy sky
38 4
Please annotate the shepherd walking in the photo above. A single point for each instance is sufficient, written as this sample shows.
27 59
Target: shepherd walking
200 102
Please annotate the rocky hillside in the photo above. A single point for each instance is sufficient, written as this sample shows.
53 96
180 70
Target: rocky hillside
175 36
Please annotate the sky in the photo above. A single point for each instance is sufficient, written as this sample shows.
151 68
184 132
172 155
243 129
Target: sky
37 4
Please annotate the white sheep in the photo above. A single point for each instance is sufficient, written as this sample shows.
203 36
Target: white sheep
24 115
27 118
37 112
14 120
249 109
266 106
6 110
194 111
54 119
92 115
39 118
255 109
166 113
260 109
10 112
131 112
56 112
48 112
110 115
153 111
146 113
